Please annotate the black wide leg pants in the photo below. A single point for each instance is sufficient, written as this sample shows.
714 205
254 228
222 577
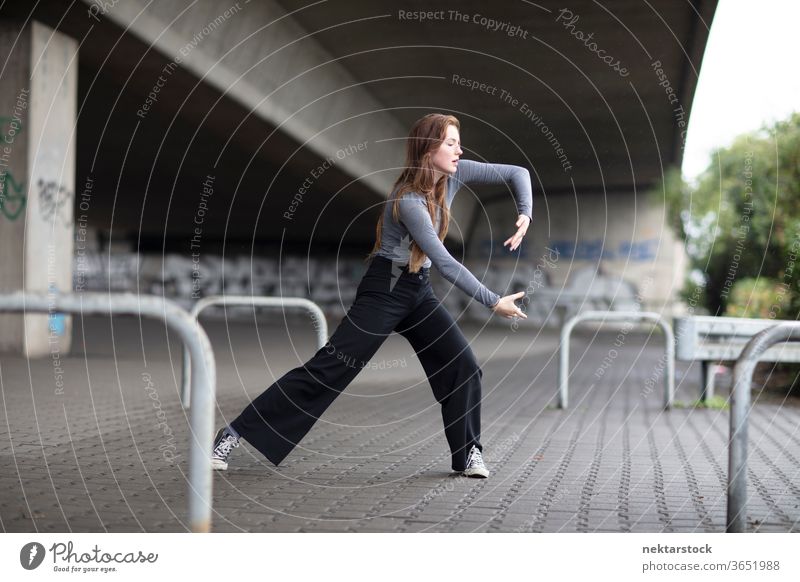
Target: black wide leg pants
389 298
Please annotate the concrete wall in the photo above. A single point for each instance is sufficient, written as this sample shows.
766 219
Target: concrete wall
38 102
615 246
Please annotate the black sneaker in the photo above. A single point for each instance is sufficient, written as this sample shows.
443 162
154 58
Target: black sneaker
224 442
475 465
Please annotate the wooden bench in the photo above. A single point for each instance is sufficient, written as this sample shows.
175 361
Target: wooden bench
710 339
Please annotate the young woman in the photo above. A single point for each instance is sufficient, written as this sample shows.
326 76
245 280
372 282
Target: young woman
395 294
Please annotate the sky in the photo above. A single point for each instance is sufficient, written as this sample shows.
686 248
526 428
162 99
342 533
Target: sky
750 75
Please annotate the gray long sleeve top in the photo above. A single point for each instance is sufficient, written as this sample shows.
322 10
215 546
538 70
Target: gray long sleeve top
415 223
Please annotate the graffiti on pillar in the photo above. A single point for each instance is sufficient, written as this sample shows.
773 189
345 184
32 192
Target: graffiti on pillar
53 198
12 196
56 322
594 250
10 128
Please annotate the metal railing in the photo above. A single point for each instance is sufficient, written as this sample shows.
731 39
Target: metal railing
740 410
321 325
605 316
710 339
203 366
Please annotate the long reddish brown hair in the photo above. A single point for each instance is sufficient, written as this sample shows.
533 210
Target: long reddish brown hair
426 136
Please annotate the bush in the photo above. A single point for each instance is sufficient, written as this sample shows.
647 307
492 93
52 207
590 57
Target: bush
762 298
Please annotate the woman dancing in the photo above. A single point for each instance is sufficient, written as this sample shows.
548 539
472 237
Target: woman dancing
395 294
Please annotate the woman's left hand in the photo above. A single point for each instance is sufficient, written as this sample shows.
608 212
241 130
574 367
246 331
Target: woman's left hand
523 222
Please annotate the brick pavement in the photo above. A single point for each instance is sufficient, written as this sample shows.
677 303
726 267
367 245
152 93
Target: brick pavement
89 459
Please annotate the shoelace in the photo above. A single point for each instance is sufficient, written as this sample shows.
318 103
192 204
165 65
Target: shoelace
475 458
224 447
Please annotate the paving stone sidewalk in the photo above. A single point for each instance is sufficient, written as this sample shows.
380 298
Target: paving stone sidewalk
95 457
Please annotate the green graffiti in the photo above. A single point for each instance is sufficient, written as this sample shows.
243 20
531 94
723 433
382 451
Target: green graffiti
10 127
12 196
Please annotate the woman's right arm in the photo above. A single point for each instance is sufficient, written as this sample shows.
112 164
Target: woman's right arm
474 173
414 215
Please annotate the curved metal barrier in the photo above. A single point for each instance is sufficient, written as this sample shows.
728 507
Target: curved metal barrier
604 316
203 366
740 409
321 324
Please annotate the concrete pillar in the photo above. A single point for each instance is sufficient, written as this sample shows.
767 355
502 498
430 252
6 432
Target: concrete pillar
38 114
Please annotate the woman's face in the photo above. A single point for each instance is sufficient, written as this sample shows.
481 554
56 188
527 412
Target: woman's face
445 159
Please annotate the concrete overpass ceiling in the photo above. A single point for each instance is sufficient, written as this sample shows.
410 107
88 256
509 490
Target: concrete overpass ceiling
148 170
599 117
157 167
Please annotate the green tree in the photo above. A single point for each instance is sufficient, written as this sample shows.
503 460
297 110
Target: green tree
741 220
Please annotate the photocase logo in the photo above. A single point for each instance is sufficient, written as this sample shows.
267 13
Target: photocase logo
402 249
31 555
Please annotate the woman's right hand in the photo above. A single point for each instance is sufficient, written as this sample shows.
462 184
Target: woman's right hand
507 308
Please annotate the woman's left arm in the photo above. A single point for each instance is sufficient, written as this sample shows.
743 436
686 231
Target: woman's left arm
472 172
